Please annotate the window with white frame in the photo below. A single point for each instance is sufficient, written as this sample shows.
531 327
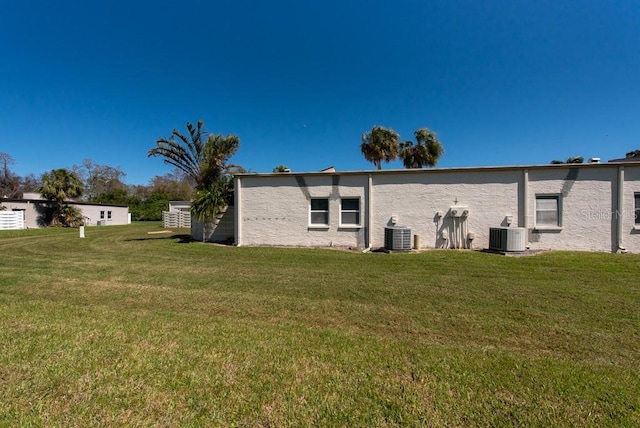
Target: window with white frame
636 214
101 215
548 211
109 215
350 212
319 212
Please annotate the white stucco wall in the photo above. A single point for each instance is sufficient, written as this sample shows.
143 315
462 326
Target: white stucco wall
414 199
630 232
119 215
223 232
274 209
33 210
587 198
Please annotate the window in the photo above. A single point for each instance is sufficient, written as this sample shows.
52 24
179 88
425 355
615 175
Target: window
319 212
548 212
636 213
101 215
109 215
350 212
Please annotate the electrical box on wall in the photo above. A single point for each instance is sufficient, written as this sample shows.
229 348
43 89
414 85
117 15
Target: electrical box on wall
459 211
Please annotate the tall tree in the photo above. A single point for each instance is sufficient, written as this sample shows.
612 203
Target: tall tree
425 152
59 186
9 182
204 157
176 184
29 183
98 179
200 155
633 154
380 144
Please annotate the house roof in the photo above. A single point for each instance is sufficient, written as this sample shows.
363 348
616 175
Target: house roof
612 163
44 201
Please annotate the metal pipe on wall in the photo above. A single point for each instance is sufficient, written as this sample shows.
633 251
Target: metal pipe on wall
620 210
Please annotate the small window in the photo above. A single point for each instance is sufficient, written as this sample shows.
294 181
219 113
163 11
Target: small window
548 211
350 212
319 212
636 213
109 215
101 215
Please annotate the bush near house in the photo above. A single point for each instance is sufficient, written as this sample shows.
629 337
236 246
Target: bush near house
130 328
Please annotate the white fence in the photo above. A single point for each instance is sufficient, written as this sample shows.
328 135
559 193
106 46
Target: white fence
11 220
176 219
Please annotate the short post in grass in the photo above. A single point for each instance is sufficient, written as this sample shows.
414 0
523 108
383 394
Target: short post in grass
82 231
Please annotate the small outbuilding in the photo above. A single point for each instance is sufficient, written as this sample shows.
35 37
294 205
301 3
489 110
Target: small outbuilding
33 208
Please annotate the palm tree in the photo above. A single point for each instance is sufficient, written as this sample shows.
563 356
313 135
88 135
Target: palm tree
209 203
201 156
576 159
58 186
381 144
426 151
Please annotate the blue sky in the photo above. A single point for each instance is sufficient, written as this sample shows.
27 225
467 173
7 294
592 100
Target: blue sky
500 82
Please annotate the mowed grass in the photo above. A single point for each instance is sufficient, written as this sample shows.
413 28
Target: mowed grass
126 328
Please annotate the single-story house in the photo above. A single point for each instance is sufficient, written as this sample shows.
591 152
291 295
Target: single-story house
589 207
34 206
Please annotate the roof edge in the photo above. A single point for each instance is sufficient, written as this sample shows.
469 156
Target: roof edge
450 169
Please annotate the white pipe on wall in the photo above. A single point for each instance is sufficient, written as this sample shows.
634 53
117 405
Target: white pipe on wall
454 240
620 210
238 211
525 201
369 209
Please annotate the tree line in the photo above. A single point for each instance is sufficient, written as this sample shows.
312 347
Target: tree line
202 174
95 183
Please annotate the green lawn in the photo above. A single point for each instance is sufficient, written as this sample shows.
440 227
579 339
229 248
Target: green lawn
136 329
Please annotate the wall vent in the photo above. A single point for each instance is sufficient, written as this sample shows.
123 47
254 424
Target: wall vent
397 238
507 239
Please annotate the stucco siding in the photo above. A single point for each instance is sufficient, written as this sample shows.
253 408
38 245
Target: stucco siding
415 201
630 231
592 214
587 197
30 210
100 213
275 210
221 231
34 211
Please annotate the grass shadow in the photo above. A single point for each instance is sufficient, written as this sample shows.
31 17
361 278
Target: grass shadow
180 238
